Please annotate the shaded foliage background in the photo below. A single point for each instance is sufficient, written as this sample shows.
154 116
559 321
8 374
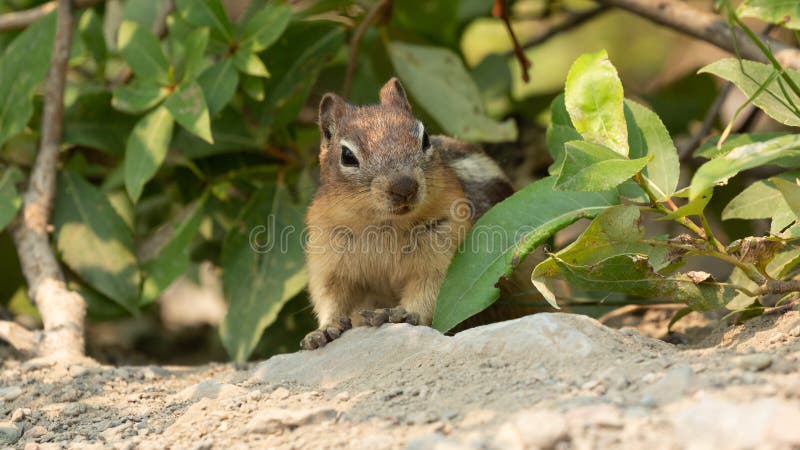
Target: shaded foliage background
189 124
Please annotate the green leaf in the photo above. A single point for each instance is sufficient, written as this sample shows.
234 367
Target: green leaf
188 107
559 132
91 122
142 51
691 208
94 241
266 26
195 49
590 167
207 13
296 62
138 96
791 193
593 96
647 135
617 230
264 266
502 238
10 200
23 67
171 258
146 149
249 63
709 148
777 100
633 274
760 200
253 87
683 312
438 81
720 169
90 28
780 12
219 85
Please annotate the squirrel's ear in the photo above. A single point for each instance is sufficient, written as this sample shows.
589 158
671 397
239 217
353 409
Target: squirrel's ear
329 109
392 93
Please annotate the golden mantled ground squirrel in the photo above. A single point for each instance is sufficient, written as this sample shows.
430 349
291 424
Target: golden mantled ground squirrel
393 205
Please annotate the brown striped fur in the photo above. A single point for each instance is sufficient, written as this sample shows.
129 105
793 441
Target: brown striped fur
362 253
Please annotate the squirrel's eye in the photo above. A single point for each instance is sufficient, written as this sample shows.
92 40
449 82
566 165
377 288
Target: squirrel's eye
426 141
348 158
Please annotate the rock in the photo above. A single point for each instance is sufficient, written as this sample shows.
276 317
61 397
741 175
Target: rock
35 432
557 341
74 409
342 396
375 442
274 420
421 418
754 362
675 383
208 389
537 429
19 414
10 393
437 441
280 394
713 423
9 432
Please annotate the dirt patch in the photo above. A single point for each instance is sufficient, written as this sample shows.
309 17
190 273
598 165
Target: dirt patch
543 381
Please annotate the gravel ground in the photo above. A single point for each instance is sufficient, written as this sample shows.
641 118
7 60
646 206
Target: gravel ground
544 381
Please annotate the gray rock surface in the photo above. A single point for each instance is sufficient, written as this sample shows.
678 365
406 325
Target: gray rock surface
549 381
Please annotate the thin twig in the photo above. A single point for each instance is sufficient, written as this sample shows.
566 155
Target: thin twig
572 21
706 26
500 10
63 311
355 42
18 20
22 339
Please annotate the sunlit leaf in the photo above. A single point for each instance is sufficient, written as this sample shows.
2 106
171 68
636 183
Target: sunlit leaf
437 81
266 26
207 13
138 96
590 167
777 99
249 63
633 274
593 96
23 67
142 51
720 169
188 107
617 230
501 238
146 149
647 135
94 241
780 12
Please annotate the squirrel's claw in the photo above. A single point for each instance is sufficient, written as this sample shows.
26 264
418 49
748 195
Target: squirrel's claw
378 317
319 338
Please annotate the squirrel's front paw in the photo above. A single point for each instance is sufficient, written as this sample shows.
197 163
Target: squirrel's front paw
378 317
319 338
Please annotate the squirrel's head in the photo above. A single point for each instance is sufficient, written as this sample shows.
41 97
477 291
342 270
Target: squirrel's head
378 158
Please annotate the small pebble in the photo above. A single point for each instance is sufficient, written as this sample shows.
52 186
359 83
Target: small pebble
754 362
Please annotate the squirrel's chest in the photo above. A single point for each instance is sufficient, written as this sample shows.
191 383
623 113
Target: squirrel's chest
385 252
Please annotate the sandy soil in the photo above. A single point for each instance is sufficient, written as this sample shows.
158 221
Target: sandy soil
544 381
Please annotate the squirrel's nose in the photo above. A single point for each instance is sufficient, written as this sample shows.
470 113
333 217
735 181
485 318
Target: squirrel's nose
403 190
